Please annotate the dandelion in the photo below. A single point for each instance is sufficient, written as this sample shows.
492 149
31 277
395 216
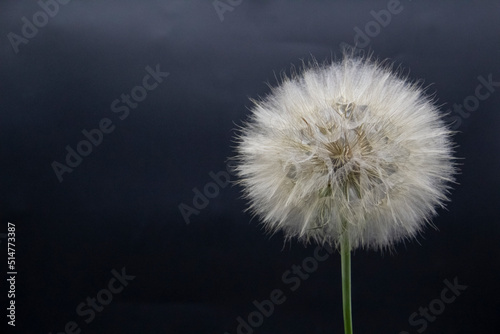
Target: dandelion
349 154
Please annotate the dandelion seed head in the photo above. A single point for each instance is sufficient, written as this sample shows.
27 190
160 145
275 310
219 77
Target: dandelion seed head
349 147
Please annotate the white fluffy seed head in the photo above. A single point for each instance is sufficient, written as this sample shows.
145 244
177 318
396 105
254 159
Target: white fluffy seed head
348 147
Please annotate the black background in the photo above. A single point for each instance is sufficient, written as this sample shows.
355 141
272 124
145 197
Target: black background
119 207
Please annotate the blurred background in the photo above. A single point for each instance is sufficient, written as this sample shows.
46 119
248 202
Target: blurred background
116 122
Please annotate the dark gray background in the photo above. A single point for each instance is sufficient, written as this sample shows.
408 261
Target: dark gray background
119 207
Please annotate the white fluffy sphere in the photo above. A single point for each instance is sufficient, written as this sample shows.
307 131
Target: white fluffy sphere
348 147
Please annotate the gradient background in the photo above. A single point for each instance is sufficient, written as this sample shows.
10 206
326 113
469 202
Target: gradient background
119 207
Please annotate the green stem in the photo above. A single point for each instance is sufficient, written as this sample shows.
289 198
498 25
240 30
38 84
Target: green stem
345 260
